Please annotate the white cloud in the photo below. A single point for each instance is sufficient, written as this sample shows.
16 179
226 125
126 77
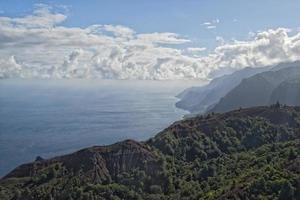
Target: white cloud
220 40
161 38
118 31
10 68
38 46
41 17
195 50
211 27
46 49
266 48
211 24
207 23
215 21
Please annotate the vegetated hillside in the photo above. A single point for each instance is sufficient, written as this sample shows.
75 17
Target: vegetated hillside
256 90
199 99
288 92
249 153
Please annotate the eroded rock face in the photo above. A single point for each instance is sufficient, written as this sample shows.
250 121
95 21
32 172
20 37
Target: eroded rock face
99 163
128 155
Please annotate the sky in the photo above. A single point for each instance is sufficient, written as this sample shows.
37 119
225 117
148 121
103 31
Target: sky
139 39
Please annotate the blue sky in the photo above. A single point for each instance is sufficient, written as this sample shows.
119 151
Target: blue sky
138 39
185 17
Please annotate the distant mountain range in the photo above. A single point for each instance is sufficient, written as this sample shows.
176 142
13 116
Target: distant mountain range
249 153
244 88
262 89
200 99
288 92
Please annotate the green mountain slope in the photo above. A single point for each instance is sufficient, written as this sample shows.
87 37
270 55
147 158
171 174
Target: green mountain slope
243 154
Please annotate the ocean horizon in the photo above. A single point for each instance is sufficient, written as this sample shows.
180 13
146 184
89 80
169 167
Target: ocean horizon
48 118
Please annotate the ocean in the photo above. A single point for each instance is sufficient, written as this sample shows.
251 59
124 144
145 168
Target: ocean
53 117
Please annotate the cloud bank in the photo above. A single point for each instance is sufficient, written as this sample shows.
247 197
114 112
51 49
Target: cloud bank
38 46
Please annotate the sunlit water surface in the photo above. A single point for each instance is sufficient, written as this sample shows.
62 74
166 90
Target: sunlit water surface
47 118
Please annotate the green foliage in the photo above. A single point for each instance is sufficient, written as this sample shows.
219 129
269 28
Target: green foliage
287 191
228 157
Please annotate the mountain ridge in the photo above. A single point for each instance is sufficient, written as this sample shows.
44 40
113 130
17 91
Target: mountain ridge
256 90
204 99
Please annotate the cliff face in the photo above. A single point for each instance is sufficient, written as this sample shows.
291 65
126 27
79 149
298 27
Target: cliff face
99 164
244 153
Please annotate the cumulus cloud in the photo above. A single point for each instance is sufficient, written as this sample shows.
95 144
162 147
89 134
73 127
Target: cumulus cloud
118 31
267 48
37 45
162 38
41 17
10 68
195 51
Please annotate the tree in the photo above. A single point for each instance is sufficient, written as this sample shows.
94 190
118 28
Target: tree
52 173
287 191
17 194
155 189
49 197
297 192
292 154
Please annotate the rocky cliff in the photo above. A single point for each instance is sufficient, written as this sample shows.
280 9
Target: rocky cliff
99 164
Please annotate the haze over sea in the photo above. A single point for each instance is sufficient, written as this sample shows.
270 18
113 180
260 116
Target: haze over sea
48 118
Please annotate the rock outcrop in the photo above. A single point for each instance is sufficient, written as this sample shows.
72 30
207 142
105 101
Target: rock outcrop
98 163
